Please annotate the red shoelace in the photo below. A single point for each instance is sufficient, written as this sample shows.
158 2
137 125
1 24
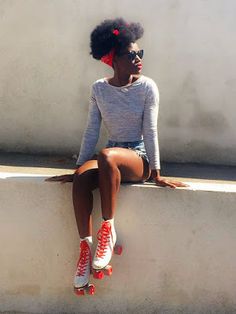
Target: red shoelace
103 237
84 259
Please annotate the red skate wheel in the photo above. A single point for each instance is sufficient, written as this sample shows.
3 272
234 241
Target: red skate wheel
91 289
108 270
98 274
79 291
118 249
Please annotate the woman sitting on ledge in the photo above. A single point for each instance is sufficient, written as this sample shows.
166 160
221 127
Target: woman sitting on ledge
128 104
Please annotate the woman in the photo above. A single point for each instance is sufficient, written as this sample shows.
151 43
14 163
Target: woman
128 105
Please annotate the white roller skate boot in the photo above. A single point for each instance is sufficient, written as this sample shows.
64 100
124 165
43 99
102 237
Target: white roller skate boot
83 270
106 241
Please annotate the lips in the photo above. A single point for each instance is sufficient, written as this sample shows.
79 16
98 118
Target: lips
139 65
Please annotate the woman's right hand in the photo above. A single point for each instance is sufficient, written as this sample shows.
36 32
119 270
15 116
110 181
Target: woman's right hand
63 178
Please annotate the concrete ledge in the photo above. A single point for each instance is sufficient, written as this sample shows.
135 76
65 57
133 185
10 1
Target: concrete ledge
179 248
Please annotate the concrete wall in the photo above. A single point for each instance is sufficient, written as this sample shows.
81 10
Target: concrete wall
179 249
46 71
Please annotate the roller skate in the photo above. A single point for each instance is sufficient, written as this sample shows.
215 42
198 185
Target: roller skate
106 247
83 271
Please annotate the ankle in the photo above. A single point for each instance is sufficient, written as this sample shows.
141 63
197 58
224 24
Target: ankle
88 239
110 220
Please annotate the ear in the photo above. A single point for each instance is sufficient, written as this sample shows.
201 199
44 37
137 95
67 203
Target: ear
115 59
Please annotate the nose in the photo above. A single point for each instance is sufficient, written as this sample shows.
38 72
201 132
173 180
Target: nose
137 59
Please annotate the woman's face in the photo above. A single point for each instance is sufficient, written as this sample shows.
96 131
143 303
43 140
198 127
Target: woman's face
128 62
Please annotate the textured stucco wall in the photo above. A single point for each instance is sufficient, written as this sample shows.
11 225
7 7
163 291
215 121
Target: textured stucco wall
46 71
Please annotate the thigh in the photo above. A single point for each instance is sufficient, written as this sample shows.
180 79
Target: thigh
87 174
133 168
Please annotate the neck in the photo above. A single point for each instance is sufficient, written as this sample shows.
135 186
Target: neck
122 79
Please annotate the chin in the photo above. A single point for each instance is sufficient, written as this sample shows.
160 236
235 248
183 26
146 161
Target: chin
136 71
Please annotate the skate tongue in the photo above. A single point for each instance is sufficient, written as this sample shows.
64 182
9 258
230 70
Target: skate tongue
103 237
84 258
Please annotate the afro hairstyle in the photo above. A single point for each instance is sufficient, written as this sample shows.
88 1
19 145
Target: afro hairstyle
103 38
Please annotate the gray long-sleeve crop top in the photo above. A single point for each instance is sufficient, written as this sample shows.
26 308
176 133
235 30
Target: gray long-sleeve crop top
129 114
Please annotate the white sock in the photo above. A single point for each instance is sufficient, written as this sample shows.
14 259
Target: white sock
111 222
89 240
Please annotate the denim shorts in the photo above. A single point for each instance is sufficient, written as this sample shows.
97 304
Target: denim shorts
137 146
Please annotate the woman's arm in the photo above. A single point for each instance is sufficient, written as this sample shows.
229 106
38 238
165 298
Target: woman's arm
150 118
91 134
89 141
150 135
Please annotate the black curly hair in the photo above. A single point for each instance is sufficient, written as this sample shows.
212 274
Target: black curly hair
103 40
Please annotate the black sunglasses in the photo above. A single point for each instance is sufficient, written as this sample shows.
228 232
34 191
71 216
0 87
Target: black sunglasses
133 54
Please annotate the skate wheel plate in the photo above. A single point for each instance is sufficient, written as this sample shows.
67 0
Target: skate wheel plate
79 291
98 274
108 270
89 289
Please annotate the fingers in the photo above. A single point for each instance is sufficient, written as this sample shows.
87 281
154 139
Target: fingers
182 185
62 179
65 181
171 184
165 183
55 179
179 184
51 179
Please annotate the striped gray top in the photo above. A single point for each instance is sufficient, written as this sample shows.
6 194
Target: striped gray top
129 113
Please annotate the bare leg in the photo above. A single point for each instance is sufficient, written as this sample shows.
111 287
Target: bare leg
84 183
118 165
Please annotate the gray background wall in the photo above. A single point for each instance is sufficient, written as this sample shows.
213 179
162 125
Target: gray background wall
46 72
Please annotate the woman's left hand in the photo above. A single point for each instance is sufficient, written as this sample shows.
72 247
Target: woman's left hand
170 183
160 181
63 178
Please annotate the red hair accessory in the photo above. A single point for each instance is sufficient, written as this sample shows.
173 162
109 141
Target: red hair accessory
116 32
108 58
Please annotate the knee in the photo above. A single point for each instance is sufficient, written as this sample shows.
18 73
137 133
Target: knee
81 182
106 158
